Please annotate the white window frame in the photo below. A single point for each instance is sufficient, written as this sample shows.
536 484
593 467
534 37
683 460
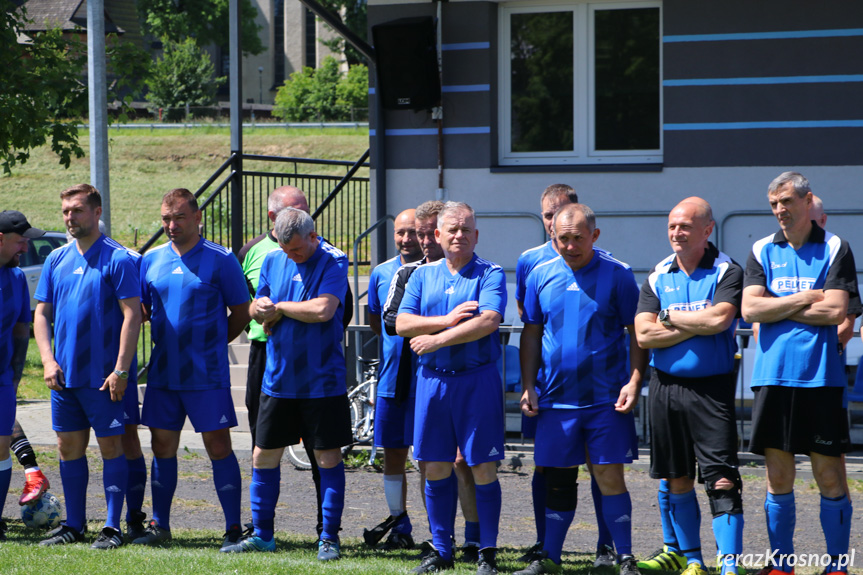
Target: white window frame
584 103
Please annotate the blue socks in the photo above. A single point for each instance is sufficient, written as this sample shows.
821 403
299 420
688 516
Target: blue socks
264 494
537 488
440 499
115 475
686 519
333 496
556 525
163 483
471 531
604 537
728 530
75 475
488 502
781 514
836 524
617 512
226 476
5 479
669 538
136 485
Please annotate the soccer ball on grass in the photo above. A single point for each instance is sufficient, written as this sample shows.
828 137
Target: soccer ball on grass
44 513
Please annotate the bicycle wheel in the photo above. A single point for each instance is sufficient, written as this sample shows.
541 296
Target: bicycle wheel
362 420
298 457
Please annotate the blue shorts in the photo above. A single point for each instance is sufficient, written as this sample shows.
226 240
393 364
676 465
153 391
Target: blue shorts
394 424
464 411
208 409
8 405
563 434
80 408
528 426
131 411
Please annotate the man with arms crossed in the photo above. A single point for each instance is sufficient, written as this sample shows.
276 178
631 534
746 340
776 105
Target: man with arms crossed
15 232
188 287
797 285
395 393
576 308
300 302
451 310
687 314
90 290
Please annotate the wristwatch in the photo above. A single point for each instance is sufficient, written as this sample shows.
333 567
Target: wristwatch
665 317
121 374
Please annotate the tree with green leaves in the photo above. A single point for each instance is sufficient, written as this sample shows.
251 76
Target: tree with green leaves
206 21
323 94
182 76
354 15
43 95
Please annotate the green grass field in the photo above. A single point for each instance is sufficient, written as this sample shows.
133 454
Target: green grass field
144 164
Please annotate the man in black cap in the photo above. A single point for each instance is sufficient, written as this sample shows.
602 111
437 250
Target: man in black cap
14 319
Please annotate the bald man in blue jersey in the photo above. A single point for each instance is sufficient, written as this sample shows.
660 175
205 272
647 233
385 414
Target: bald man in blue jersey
197 300
573 347
797 284
90 290
451 310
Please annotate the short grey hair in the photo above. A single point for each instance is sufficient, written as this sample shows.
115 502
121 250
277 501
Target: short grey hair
428 210
797 180
556 191
291 222
567 211
452 208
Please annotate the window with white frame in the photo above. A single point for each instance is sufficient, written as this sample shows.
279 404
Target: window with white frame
580 83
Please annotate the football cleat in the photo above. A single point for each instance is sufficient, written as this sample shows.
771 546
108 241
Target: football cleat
250 544
397 541
63 535
3 529
135 525
328 550
233 535
663 560
694 568
487 564
539 565
532 553
470 552
433 563
769 570
629 566
153 535
374 535
605 557
109 538
35 485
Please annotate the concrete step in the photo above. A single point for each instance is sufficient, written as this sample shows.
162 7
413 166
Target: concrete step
238 353
239 373
238 394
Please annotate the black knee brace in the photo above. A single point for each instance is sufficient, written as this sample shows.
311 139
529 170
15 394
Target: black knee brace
726 501
561 488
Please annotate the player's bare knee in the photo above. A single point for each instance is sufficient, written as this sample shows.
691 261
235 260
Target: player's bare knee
484 473
679 485
725 493
610 478
561 488
830 480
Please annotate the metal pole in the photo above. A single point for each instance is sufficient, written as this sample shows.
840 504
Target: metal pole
98 97
235 73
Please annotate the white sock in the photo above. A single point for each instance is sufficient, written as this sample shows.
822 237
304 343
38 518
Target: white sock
393 493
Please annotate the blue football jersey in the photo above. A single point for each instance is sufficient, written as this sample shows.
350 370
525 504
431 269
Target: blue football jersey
84 291
14 308
188 297
305 360
379 287
791 353
527 261
584 314
434 291
717 279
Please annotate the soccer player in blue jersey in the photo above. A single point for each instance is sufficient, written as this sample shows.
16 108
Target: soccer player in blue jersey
300 302
188 287
90 291
797 284
451 310
573 347
15 232
687 314
395 392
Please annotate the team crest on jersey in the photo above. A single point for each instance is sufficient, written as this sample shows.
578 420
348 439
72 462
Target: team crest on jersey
573 287
177 271
79 271
791 284
450 290
297 278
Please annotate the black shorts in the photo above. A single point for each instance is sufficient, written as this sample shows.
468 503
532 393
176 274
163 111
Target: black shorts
800 420
322 422
692 420
254 381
